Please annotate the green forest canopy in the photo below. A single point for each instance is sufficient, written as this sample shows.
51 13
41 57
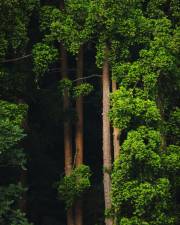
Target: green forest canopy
57 150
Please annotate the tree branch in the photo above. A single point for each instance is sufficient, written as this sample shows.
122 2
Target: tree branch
16 59
84 78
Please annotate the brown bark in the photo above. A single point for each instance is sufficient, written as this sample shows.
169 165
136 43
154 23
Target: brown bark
67 129
106 137
67 125
116 131
79 139
79 111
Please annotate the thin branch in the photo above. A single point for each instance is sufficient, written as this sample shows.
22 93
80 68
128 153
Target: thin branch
59 70
84 78
16 59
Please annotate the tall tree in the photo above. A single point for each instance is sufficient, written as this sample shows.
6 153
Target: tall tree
67 128
142 107
67 125
116 131
15 20
107 162
79 135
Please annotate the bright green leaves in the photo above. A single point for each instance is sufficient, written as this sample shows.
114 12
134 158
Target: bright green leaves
138 183
12 112
47 15
82 90
142 178
72 26
143 146
155 60
127 105
74 91
43 55
73 186
67 32
171 159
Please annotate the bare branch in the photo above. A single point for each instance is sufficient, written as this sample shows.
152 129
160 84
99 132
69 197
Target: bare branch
84 78
16 59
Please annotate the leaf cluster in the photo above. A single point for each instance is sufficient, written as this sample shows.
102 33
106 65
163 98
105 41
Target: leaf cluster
71 187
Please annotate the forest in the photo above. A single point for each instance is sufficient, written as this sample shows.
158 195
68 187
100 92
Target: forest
89 112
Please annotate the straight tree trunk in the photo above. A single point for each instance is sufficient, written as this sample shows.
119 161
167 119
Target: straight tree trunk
67 129
116 136
67 126
107 162
79 137
116 131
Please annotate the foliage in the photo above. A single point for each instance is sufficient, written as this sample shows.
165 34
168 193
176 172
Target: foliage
82 90
142 38
74 91
74 185
8 196
129 104
11 117
15 17
43 55
141 186
11 155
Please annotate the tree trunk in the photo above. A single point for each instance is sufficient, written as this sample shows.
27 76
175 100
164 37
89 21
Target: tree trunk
116 131
106 137
67 125
79 111
79 139
67 129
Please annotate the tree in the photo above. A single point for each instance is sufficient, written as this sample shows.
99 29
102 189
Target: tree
15 19
12 156
142 188
79 135
135 46
67 128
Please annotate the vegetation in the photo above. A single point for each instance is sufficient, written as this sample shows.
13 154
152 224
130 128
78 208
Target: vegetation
89 112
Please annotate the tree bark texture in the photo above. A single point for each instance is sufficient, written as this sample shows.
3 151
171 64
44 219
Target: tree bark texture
116 131
67 129
79 137
107 162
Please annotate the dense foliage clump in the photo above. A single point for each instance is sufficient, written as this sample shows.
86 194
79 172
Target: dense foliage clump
72 186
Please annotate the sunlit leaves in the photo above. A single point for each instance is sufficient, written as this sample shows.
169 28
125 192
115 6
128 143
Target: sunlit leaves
127 105
74 185
43 55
